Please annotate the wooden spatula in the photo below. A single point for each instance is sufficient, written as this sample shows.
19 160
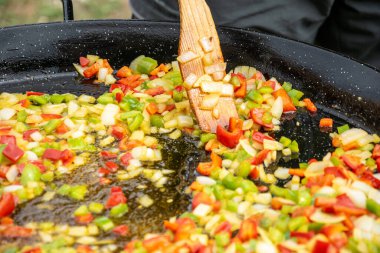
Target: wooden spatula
197 23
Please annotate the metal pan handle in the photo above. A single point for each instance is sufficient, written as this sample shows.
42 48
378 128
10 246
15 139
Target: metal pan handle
68 11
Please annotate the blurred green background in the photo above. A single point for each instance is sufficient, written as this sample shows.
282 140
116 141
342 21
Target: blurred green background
17 12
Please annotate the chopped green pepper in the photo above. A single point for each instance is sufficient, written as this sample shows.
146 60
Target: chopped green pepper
95 207
104 223
38 100
119 210
174 76
255 96
294 147
57 98
21 116
244 169
31 173
343 128
285 141
373 207
156 120
287 86
78 192
207 137
52 125
146 65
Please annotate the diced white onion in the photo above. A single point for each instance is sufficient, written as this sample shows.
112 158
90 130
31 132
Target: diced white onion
202 210
36 136
146 201
272 145
321 217
102 74
12 173
187 56
247 147
205 180
217 67
206 43
72 107
315 169
109 114
190 80
218 87
209 101
352 135
216 113
31 156
218 76
277 108
110 79
282 173
358 197
7 113
184 121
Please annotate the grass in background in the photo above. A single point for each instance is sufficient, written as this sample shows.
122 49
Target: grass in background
17 12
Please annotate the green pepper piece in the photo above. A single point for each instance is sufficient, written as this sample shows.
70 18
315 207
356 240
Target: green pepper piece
64 190
335 161
296 94
248 186
104 223
129 116
304 198
47 176
343 128
303 165
156 121
39 151
82 210
207 137
2 157
119 210
222 239
251 105
373 207
174 76
69 97
369 162
177 96
230 156
276 235
267 118
95 207
294 147
57 98
146 65
104 99
51 125
21 127
78 192
218 191
38 100
315 226
129 103
255 96
21 116
231 182
235 81
136 123
231 206
297 222
12 249
285 141
282 222
244 169
265 90
31 173
287 86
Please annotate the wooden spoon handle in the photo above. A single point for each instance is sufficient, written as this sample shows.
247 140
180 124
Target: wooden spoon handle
197 23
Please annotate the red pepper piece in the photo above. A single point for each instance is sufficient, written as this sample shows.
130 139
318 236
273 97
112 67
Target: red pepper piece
155 91
353 162
124 159
52 154
124 72
302 237
204 168
248 230
152 108
310 105
13 152
26 135
287 101
376 152
91 71
121 230
34 93
241 91
321 247
50 116
7 204
326 122
270 83
119 96
336 171
67 156
260 157
62 129
108 155
170 107
257 117
370 178
25 103
118 132
224 227
113 167
8 139
260 137
84 219
228 139
103 172
283 249
39 164
17 232
83 61
201 198
117 197
157 243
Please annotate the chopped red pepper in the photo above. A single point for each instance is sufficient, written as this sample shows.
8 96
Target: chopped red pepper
103 172
241 91
13 152
113 167
152 108
117 197
287 101
52 154
260 137
62 129
353 162
326 122
205 168
369 178
84 219
321 247
26 135
7 204
108 155
121 230
257 117
50 116
336 171
92 70
302 237
126 158
201 198
155 91
83 61
25 103
227 138
376 152
270 83
248 230
157 243
118 132
67 156
224 227
124 72
260 157
34 93
8 139
310 105
254 174
16 232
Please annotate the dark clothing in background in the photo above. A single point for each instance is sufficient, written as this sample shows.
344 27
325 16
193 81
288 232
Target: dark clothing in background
351 27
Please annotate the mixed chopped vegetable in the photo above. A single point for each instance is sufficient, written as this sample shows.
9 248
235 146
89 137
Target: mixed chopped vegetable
237 203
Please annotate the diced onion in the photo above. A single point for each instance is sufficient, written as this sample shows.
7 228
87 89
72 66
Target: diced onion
7 113
282 173
190 80
216 113
272 145
202 210
358 197
217 87
110 79
103 72
36 136
187 56
247 124
109 114
209 101
315 169
218 76
31 156
352 135
205 180
184 121
206 43
12 173
324 218
146 201
247 147
79 69
217 67
277 108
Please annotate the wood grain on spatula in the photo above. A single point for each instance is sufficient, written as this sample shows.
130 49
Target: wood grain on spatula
196 23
